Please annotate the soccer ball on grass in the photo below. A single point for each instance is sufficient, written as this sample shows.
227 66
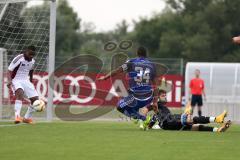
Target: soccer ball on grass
39 105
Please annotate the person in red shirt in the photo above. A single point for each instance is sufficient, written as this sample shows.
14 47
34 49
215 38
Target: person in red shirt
197 90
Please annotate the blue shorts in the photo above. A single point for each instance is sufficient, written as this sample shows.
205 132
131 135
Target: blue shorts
131 101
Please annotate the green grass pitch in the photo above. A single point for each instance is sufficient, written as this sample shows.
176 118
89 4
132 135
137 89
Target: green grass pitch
113 141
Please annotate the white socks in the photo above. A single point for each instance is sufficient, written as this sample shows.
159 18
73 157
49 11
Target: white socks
215 129
17 108
29 112
212 119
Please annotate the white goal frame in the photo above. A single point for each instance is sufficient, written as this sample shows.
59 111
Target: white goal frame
51 55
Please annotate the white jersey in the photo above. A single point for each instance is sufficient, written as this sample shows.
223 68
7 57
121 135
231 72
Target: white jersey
21 67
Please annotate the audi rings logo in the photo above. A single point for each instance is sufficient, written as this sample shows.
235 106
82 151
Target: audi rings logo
74 88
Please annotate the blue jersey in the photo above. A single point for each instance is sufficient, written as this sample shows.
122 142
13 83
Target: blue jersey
141 73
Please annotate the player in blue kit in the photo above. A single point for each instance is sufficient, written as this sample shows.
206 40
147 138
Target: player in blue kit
143 83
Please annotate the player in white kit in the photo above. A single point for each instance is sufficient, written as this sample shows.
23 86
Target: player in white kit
20 76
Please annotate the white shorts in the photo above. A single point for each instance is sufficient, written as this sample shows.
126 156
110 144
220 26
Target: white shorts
26 86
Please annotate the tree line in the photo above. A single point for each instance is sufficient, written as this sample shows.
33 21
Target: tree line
196 30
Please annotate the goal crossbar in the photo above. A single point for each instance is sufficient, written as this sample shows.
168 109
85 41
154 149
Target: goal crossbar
19 1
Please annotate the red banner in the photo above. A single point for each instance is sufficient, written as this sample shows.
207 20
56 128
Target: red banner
78 89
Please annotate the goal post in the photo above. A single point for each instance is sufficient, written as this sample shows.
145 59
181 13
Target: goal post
2 52
51 60
23 23
4 7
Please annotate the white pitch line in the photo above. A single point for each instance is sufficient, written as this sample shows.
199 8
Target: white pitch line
11 125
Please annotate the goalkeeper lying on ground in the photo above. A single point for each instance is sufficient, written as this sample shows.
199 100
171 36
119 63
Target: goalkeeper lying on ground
168 121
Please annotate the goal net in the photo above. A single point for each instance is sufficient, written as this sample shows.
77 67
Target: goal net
23 23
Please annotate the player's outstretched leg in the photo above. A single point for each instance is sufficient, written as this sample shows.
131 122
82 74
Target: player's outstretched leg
131 112
204 120
28 116
223 128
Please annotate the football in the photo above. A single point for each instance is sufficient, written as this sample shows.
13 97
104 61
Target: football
39 105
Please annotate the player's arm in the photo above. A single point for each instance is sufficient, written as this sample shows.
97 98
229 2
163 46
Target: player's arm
9 76
190 94
15 62
31 72
121 69
155 84
203 91
111 74
31 75
190 88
